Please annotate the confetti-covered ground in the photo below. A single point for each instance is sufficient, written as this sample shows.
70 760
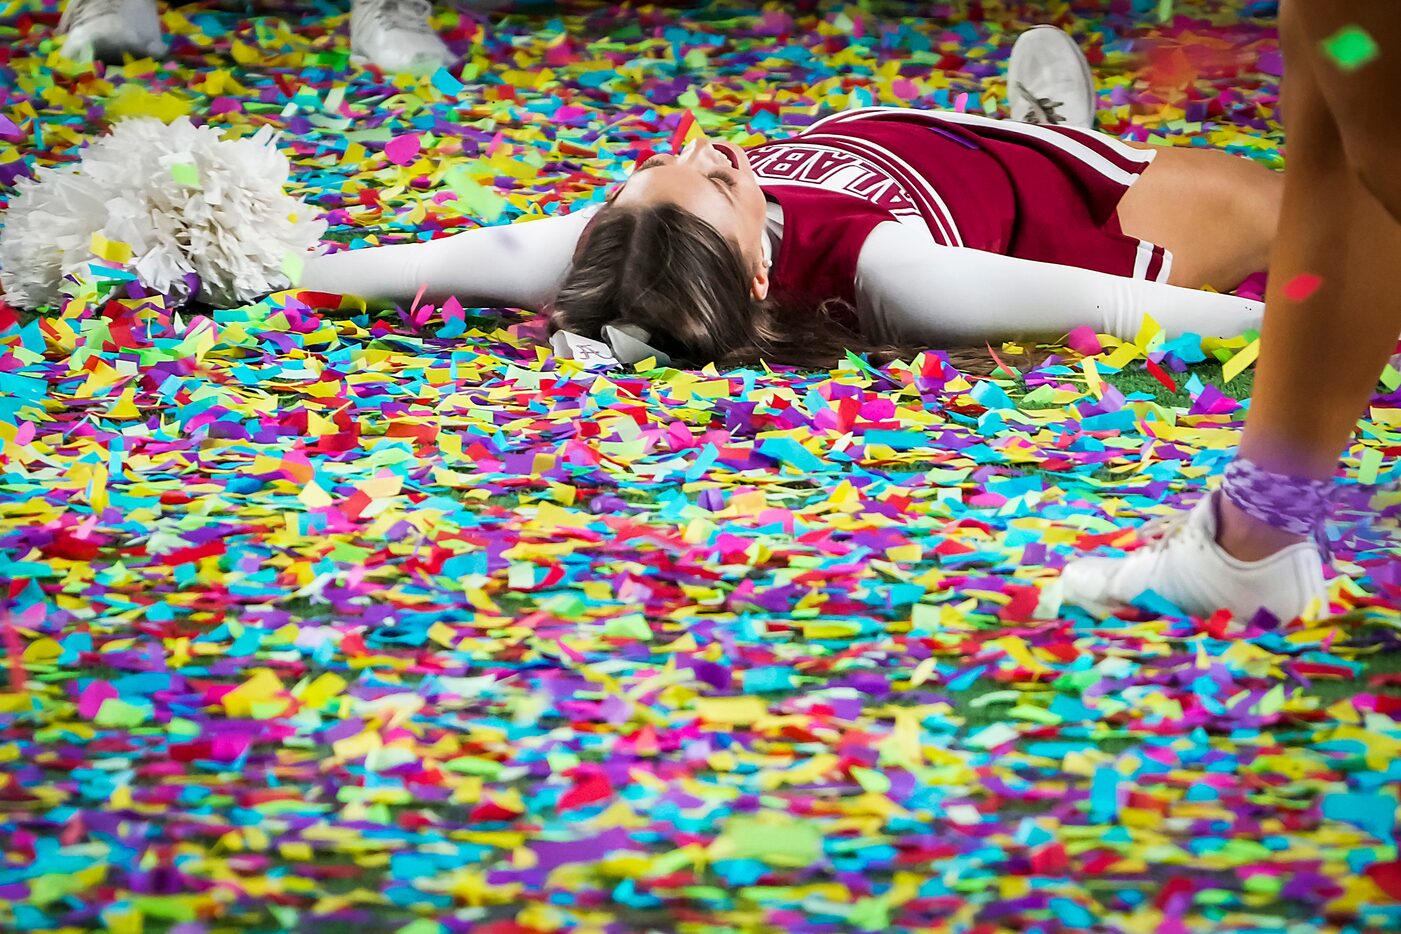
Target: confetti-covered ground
321 619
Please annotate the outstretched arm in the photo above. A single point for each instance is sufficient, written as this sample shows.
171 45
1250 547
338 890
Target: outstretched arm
518 265
912 289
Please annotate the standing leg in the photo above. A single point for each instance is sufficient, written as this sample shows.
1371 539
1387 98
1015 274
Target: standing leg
1248 545
1320 356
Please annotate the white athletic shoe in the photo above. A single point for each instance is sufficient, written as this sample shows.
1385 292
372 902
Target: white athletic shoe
396 36
1049 81
107 29
1182 563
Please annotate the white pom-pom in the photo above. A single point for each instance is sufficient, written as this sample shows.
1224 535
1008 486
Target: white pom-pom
184 200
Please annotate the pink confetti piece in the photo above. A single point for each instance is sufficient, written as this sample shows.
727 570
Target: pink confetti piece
1083 340
14 651
92 698
403 150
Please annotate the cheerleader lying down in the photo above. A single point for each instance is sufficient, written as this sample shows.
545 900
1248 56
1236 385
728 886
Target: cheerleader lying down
882 230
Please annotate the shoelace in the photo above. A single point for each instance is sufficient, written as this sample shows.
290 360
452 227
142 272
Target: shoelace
80 11
411 15
1158 532
1043 109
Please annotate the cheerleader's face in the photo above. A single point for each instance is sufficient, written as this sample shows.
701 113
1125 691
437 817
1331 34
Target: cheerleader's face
714 182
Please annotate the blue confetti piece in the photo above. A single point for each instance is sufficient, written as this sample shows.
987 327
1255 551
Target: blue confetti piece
1374 813
1104 796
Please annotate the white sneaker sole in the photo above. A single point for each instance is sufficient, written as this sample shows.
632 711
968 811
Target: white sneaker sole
425 65
1073 49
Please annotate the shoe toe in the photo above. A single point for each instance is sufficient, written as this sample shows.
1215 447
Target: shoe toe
1088 582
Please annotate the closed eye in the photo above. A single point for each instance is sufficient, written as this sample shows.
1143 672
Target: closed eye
726 179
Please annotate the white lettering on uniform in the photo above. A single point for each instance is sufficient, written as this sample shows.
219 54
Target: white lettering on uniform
828 169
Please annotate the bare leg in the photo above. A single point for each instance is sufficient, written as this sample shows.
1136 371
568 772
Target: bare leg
1319 358
1216 212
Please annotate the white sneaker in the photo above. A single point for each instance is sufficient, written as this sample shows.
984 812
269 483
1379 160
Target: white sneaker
1182 563
107 29
1049 81
396 36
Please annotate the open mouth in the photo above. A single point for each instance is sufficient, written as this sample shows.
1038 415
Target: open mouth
730 153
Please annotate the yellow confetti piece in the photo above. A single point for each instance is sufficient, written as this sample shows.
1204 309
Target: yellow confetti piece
908 553
313 497
1237 364
42 651
133 100
1017 650
113 251
263 687
1092 378
730 711
1121 356
125 406
325 687
1147 331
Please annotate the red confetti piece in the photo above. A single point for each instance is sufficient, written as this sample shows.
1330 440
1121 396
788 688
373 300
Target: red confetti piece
190 555
1162 376
1011 371
683 126
1387 876
1302 286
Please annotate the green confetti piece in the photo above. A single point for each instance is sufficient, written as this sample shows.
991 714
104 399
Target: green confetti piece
186 173
871 780
1369 465
1034 714
292 267
420 926
1351 47
118 713
776 841
870 914
631 626
166 907
474 198
472 765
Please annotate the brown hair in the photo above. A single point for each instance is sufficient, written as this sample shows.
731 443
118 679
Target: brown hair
680 279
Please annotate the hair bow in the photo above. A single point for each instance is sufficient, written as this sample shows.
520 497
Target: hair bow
622 345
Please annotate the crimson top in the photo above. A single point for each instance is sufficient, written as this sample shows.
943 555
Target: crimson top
1033 192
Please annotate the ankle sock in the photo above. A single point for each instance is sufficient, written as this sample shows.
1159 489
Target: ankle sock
1297 505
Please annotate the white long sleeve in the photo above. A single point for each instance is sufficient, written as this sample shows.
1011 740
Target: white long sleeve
518 265
910 288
